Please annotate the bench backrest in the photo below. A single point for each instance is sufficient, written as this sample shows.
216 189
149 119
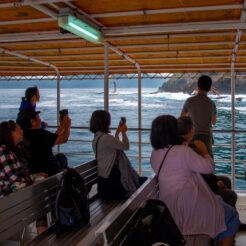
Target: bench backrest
117 226
19 209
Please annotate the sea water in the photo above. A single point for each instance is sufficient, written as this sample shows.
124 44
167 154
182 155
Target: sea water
81 102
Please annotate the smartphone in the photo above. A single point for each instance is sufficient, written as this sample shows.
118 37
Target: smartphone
122 121
63 113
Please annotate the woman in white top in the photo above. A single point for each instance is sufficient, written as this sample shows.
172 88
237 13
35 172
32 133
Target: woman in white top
116 178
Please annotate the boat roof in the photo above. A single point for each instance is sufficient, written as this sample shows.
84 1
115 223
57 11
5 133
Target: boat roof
159 36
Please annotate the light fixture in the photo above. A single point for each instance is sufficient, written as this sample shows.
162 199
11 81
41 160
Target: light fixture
79 27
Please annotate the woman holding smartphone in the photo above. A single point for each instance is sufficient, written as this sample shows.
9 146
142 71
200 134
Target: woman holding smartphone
116 177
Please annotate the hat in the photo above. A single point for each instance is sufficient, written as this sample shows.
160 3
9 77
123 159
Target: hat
25 116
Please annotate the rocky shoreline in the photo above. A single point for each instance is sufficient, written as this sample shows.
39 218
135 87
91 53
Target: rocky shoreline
188 85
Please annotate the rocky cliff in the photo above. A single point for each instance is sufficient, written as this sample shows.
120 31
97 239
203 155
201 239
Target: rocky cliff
189 84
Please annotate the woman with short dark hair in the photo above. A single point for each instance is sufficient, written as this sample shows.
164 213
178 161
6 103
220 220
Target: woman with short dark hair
13 172
116 178
194 207
100 121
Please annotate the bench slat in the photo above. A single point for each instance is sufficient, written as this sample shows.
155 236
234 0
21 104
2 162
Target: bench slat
85 167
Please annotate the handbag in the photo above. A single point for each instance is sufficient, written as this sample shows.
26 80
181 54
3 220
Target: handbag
154 223
111 188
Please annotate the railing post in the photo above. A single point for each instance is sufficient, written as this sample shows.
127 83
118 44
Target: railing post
106 79
58 103
233 139
139 120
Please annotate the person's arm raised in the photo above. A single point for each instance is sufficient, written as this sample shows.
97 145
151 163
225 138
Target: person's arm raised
123 130
63 131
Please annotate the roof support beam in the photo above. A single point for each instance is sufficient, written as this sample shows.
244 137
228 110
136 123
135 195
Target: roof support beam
169 11
125 46
19 22
136 53
57 61
133 70
238 36
169 36
13 53
44 10
27 2
32 36
177 27
167 65
60 50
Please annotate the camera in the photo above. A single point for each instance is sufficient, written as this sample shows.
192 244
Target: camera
122 121
63 113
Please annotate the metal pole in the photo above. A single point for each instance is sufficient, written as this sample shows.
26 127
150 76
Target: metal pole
58 98
106 77
233 144
139 120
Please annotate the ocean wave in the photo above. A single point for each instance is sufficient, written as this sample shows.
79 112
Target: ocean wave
9 106
180 96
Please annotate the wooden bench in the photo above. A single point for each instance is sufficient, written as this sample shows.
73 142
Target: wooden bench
19 209
113 232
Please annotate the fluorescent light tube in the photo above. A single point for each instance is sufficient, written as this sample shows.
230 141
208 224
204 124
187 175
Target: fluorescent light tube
79 28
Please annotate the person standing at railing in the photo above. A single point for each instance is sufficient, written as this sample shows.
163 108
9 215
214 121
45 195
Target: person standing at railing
202 111
41 141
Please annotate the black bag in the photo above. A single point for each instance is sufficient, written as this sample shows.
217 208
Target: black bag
71 207
154 224
211 180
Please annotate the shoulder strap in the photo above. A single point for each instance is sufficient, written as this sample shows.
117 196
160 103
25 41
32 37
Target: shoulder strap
97 143
157 176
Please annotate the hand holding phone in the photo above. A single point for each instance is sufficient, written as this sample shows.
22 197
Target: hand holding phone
122 121
63 112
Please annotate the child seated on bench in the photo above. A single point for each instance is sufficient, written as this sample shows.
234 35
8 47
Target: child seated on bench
117 179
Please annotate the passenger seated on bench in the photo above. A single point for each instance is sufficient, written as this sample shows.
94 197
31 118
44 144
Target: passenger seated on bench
117 179
186 131
32 96
13 171
194 207
41 141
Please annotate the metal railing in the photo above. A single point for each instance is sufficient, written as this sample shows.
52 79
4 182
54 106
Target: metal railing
223 165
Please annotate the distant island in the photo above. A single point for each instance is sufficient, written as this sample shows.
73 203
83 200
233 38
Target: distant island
188 85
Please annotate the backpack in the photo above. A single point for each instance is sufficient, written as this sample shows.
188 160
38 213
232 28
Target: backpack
71 206
153 224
